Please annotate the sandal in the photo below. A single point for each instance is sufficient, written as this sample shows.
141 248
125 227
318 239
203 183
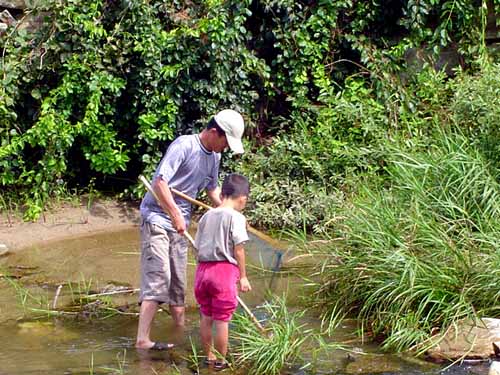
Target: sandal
161 346
220 365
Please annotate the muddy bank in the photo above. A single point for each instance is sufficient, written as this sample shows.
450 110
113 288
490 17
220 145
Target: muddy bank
68 221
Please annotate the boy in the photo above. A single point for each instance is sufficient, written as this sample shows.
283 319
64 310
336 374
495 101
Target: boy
219 240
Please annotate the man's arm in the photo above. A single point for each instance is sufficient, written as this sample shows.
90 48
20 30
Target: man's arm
239 254
214 196
168 204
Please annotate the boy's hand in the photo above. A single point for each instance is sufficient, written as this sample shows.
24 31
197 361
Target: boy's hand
245 285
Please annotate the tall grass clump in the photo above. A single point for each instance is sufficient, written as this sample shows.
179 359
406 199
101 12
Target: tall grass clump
283 344
421 253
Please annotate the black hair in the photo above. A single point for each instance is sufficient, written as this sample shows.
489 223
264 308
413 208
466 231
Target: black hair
212 124
235 186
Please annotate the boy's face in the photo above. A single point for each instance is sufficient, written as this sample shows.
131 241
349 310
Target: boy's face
241 202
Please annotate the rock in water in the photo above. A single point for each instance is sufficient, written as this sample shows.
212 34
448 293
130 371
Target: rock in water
469 340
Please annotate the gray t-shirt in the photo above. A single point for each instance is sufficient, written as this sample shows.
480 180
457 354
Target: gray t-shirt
188 167
219 230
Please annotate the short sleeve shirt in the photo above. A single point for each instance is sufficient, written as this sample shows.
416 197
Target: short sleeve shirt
187 166
219 231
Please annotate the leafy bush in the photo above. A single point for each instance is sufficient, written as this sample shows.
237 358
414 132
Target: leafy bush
476 110
300 179
103 86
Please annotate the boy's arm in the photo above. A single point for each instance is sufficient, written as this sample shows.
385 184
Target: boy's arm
239 254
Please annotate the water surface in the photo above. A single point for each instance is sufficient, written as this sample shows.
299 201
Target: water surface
35 343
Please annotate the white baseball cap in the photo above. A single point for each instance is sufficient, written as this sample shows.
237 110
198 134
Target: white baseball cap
232 123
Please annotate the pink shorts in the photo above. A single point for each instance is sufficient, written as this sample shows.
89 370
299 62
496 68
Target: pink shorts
215 289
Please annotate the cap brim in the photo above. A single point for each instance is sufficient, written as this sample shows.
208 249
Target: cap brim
235 144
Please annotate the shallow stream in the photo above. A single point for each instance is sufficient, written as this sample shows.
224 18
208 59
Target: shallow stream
33 342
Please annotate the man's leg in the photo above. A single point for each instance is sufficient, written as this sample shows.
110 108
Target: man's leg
178 315
146 316
206 336
154 281
178 265
221 337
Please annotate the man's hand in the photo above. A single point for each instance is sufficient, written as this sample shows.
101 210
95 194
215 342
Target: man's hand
169 206
179 223
215 197
245 285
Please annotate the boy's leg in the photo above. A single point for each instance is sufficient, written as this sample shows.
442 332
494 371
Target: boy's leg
206 336
224 303
221 337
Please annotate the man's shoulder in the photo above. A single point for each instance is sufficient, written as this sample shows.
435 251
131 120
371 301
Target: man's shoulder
186 139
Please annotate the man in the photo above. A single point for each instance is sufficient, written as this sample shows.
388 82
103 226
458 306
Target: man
190 165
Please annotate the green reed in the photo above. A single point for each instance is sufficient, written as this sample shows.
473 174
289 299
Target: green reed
423 252
283 344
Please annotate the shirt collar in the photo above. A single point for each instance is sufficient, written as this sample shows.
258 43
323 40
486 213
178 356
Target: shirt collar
203 148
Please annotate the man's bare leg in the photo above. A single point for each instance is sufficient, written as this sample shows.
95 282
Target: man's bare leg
146 316
178 315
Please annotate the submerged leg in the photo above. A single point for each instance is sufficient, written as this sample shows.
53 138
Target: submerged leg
206 336
221 337
146 316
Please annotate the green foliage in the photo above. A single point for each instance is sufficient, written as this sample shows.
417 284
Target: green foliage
283 344
103 84
421 253
102 87
457 21
476 110
297 179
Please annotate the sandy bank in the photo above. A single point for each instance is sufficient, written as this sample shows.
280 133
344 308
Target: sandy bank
68 221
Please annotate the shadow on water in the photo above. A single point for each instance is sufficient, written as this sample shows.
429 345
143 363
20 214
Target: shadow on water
34 343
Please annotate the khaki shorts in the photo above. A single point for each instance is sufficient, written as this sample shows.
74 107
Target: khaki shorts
163 265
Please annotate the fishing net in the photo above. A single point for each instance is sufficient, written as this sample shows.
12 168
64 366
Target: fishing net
263 254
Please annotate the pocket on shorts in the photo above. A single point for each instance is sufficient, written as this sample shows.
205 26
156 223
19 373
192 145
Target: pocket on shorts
153 264
155 248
